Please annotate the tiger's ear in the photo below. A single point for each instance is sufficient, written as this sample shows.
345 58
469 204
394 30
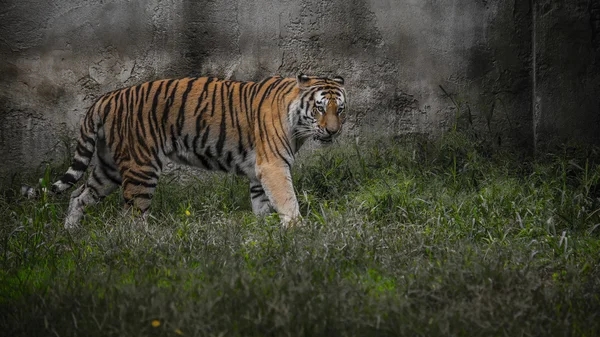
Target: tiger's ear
302 80
338 79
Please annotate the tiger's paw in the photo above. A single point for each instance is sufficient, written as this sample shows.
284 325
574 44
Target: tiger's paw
288 222
72 222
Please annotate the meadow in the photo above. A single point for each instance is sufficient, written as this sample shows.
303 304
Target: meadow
400 237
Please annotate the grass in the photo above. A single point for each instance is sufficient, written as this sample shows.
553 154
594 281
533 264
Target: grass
400 238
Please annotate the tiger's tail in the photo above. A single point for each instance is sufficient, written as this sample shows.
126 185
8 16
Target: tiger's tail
86 144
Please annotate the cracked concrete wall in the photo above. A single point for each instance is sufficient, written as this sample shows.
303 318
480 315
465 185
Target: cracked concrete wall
57 57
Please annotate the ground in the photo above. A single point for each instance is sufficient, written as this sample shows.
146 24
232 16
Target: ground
399 237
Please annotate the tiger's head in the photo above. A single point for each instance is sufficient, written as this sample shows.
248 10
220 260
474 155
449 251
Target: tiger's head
322 107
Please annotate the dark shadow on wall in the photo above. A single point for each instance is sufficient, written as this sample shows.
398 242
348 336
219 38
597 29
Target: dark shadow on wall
594 10
501 68
351 40
209 37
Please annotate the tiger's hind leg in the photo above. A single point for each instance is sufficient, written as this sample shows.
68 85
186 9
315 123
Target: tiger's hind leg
260 201
103 180
139 185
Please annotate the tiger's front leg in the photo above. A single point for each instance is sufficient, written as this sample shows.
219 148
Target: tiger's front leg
276 180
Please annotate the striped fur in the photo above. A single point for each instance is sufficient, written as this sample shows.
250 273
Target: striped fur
250 128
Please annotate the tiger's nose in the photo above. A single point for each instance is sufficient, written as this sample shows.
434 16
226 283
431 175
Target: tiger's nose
332 129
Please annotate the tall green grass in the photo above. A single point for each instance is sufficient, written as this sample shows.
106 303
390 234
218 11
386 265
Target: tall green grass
399 237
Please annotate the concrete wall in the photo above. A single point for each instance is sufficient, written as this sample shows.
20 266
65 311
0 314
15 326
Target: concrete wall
567 72
58 56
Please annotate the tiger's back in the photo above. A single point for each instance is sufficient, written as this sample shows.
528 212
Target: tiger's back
250 128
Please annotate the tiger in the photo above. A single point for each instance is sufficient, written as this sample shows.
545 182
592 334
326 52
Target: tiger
248 128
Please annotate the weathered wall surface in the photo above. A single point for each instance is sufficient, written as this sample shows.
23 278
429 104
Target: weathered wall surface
57 57
567 72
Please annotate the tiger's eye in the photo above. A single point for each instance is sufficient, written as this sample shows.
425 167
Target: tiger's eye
320 108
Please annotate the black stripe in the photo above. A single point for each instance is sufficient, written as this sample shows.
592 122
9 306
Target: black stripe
157 158
230 91
137 182
86 139
89 117
256 191
121 119
98 107
169 82
249 115
138 89
208 153
221 167
203 161
256 188
141 104
205 137
197 136
114 127
130 97
78 165
68 179
153 118
202 95
228 159
274 148
127 99
165 116
214 96
97 179
121 112
238 171
223 126
141 139
259 87
181 116
241 150
139 157
283 139
107 174
106 164
143 174
200 122
173 139
237 122
261 131
285 90
255 195
82 151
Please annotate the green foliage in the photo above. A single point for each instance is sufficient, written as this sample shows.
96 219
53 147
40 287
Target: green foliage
399 237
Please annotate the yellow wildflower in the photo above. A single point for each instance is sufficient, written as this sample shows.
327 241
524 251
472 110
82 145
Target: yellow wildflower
156 323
